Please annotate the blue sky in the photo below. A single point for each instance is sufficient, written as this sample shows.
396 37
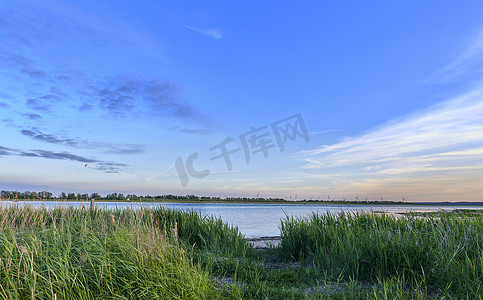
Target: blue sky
108 96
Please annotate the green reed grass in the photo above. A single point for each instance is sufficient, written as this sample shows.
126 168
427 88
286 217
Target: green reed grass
76 253
443 253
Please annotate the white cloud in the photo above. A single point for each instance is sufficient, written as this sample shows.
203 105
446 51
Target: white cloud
468 62
440 145
212 32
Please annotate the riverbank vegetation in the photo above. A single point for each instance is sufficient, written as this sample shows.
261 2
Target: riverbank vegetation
155 253
441 254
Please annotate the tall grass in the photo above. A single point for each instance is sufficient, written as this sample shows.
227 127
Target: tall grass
443 253
76 253
79 253
204 232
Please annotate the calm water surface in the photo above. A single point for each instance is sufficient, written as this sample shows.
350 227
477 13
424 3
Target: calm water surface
254 220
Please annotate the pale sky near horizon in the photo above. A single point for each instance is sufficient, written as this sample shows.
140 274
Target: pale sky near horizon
370 100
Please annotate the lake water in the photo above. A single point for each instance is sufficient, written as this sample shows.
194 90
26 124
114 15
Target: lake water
254 220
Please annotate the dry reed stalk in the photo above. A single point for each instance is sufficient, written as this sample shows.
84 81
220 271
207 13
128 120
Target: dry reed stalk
175 230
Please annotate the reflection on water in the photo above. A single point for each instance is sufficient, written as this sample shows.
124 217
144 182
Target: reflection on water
253 220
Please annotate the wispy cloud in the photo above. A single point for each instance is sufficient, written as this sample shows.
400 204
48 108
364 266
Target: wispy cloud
86 107
4 151
49 138
57 155
110 167
123 96
211 32
111 148
438 143
52 88
35 74
32 116
103 166
116 97
189 130
465 65
40 105
450 125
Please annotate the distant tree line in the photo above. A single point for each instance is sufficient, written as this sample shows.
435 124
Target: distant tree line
44 195
12 195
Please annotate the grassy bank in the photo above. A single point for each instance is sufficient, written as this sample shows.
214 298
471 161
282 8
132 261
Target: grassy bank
440 253
76 253
69 253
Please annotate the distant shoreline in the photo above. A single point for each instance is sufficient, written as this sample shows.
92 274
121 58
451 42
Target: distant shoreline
255 201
